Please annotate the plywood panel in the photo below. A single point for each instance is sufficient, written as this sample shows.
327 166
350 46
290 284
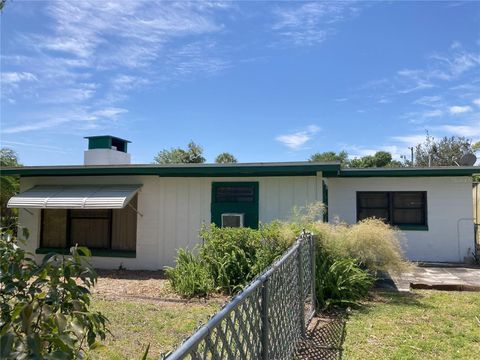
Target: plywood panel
92 233
54 228
124 227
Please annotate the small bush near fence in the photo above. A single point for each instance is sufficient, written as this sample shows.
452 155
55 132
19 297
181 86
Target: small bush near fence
348 256
227 261
45 308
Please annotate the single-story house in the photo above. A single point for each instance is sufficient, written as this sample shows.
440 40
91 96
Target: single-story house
137 216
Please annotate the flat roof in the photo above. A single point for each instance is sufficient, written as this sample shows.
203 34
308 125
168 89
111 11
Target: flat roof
303 168
300 168
407 171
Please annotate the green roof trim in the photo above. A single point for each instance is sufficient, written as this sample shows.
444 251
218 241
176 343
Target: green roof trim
180 170
407 172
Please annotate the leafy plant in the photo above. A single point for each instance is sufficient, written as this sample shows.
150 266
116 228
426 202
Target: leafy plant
230 256
340 281
44 307
190 277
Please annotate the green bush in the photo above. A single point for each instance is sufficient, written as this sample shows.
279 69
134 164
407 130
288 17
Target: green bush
339 281
44 308
190 277
229 255
228 259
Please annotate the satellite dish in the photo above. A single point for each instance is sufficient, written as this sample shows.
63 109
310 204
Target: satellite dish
467 160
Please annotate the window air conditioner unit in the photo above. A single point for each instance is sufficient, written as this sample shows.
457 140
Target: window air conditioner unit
232 220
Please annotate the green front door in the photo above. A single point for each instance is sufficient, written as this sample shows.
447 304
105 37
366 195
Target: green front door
235 198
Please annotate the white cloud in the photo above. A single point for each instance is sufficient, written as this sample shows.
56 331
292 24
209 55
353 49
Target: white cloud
298 139
477 102
72 120
16 77
310 23
432 113
428 100
459 109
466 130
85 42
410 140
111 112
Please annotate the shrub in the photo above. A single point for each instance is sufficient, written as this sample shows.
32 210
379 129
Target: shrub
339 281
190 277
374 244
228 259
45 307
230 255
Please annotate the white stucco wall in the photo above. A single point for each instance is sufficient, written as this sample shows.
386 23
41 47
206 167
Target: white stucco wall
174 209
450 235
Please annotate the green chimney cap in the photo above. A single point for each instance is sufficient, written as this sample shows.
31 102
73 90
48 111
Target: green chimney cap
107 142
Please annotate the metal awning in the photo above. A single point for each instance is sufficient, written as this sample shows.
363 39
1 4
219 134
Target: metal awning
75 197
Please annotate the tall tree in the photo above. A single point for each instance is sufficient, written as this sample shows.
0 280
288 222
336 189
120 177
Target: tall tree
327 156
192 155
379 159
225 158
444 152
9 186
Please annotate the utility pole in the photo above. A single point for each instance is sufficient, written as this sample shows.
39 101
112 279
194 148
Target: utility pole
411 151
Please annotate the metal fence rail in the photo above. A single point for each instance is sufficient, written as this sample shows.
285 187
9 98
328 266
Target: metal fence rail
267 319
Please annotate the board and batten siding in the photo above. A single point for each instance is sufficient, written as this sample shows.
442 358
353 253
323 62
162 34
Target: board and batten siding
174 209
450 235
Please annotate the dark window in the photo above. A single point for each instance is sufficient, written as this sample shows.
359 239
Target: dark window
93 228
235 194
400 208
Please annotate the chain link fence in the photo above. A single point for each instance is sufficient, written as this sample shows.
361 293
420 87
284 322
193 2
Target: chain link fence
267 319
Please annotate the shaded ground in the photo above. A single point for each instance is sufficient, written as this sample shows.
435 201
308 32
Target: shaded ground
324 338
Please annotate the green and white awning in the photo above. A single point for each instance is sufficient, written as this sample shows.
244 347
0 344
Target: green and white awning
75 197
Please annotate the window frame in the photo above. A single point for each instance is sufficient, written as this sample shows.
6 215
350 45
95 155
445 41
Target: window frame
391 208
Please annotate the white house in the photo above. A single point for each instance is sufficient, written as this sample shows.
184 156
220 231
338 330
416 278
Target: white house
138 216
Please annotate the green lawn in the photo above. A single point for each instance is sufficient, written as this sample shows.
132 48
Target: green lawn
135 324
422 325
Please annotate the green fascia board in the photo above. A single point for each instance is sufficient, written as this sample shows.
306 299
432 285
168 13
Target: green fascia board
95 252
406 172
204 170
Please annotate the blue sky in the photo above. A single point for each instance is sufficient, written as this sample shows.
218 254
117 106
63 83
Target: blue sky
266 81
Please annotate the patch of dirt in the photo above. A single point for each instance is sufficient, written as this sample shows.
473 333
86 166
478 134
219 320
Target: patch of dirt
140 285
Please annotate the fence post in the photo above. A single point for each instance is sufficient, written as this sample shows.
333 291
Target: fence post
300 287
265 321
313 256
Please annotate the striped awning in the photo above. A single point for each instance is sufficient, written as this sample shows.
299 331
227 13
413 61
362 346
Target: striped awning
75 197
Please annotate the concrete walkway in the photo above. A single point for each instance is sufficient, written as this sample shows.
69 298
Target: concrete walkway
440 277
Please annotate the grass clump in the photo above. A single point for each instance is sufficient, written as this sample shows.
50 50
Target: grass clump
190 277
375 245
340 281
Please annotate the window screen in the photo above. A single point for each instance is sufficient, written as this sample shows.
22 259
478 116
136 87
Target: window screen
235 194
396 208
